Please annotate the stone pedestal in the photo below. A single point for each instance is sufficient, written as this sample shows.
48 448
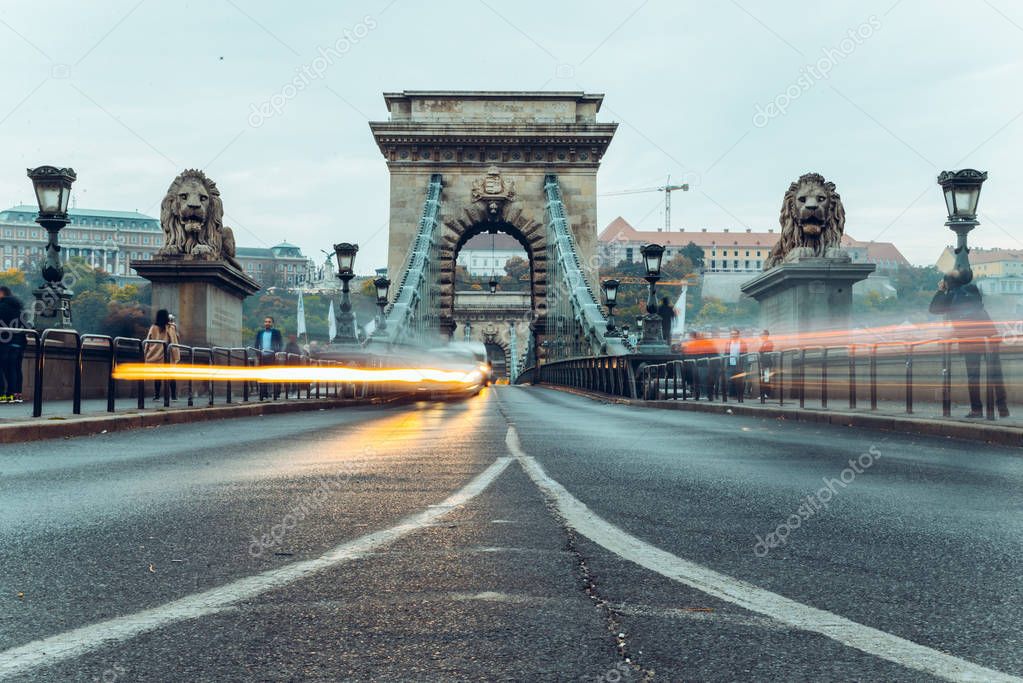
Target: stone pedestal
808 295
206 297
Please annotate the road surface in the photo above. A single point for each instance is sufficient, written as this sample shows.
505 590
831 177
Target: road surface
525 534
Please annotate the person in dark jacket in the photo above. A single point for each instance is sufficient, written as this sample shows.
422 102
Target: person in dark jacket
766 356
667 313
12 345
268 343
962 304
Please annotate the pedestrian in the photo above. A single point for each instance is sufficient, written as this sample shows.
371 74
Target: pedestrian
12 345
766 364
293 347
962 304
268 343
735 364
667 313
163 330
698 374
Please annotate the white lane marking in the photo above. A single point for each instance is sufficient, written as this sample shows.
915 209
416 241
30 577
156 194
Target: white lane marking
746 595
79 641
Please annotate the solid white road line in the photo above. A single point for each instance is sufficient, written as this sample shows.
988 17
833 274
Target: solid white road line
746 595
75 643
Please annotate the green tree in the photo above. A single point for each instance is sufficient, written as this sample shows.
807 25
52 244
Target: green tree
694 253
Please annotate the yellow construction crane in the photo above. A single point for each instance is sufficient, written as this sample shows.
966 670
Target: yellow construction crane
667 189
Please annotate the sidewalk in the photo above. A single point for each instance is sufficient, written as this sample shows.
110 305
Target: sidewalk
57 421
925 420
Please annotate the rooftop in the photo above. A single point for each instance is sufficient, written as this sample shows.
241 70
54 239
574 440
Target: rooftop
85 213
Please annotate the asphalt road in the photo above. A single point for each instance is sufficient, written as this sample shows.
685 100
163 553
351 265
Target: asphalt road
525 534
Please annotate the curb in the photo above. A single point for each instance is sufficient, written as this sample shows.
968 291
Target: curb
1005 436
41 428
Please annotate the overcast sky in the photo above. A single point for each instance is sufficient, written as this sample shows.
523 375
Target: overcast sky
737 98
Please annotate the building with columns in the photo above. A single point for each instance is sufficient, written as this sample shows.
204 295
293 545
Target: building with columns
110 240
105 239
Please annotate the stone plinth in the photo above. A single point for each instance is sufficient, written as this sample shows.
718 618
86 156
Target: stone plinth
809 295
206 297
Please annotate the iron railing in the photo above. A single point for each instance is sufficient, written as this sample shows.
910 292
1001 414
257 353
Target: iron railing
905 375
60 346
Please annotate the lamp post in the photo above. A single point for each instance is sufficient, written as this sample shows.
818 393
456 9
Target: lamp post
652 340
493 286
345 270
962 192
52 299
383 286
610 288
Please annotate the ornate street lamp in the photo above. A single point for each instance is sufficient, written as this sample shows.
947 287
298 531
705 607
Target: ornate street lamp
610 288
962 192
345 270
652 340
53 299
383 286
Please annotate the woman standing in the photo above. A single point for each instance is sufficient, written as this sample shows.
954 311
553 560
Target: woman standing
163 330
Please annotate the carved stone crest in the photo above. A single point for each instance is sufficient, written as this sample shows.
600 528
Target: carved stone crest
494 191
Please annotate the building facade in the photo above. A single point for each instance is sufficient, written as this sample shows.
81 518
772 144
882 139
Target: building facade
282 265
730 257
487 254
110 240
105 239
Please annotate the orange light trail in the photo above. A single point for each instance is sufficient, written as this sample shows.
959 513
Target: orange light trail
285 373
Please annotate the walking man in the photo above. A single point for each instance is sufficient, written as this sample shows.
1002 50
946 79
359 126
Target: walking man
667 313
962 304
766 355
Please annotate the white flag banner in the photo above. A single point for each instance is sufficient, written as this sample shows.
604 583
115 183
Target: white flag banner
679 325
370 327
331 323
300 318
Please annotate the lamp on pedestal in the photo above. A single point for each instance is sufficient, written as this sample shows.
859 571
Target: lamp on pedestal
53 298
345 271
652 340
383 287
610 288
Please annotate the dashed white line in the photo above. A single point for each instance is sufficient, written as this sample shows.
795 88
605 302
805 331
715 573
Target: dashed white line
850 633
51 650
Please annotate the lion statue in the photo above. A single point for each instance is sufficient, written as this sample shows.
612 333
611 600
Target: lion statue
192 218
812 222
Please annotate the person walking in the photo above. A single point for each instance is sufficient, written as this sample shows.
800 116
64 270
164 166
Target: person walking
12 346
962 304
163 330
766 359
700 373
268 343
735 363
667 313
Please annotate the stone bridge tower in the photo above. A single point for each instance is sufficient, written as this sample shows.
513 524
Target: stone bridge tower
492 150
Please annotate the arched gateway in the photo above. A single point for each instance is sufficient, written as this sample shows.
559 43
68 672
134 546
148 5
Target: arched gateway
521 163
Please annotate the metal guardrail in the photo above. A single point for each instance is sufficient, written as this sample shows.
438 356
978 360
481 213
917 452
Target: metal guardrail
775 375
70 344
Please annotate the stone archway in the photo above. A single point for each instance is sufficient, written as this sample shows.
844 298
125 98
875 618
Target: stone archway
474 220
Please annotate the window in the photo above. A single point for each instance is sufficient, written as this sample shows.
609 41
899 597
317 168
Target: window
713 264
628 253
747 263
145 239
747 252
134 239
759 265
735 264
